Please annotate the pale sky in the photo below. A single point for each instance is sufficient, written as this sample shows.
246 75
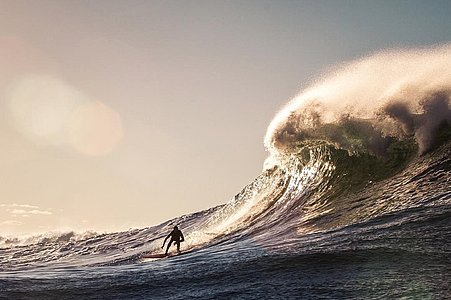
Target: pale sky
119 114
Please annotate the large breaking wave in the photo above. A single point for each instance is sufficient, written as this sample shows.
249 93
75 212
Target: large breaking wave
360 105
369 139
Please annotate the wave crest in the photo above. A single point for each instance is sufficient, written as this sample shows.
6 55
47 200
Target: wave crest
365 104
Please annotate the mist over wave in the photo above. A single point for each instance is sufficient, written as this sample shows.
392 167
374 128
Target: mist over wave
361 106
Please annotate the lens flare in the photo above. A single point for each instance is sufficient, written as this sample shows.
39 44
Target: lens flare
46 110
40 106
94 129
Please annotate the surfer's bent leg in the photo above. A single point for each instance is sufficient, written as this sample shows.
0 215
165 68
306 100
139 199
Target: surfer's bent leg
178 245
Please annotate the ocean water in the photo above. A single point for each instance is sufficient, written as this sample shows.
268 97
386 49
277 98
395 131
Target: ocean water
350 207
302 232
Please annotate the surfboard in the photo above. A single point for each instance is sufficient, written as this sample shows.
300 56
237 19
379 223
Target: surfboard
160 255
152 256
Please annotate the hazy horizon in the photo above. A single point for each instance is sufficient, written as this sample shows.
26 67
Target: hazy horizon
119 114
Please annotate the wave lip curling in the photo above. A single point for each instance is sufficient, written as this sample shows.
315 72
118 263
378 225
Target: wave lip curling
362 105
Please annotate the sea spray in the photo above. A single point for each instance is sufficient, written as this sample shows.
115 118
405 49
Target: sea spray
360 105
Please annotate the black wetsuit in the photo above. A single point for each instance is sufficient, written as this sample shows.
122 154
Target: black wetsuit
176 237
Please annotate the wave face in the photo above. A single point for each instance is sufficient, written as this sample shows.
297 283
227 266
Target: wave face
359 167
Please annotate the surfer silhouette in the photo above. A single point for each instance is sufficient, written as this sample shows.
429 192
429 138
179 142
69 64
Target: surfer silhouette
176 236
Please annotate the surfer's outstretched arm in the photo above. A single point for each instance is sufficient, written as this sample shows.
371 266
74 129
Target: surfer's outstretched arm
182 237
166 240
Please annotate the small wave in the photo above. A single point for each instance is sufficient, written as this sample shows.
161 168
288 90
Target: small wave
45 238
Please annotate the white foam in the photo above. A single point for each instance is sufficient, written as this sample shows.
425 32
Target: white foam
402 92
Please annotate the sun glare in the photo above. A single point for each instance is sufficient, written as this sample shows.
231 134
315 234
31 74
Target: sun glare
40 106
48 111
95 129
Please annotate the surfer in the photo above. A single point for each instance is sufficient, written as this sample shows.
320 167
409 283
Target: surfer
176 236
